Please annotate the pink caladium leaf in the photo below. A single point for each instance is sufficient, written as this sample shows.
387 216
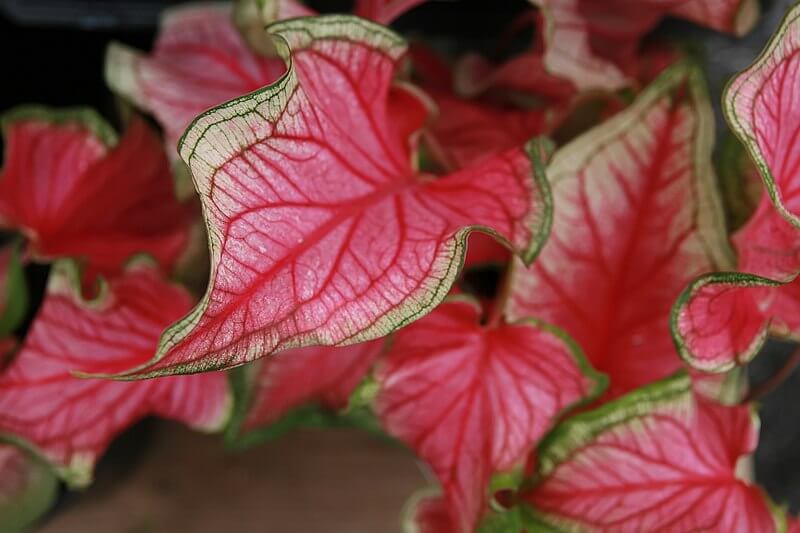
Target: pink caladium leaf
593 44
27 489
68 420
658 459
723 319
472 399
321 231
323 375
466 132
380 11
636 217
199 60
73 192
760 107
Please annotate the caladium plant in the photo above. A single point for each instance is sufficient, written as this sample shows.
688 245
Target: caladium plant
68 420
321 229
635 218
473 399
74 191
494 260
723 319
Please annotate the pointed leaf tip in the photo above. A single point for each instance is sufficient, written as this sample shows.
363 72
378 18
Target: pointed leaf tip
321 231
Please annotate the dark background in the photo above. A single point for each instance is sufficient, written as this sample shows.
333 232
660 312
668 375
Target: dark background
52 53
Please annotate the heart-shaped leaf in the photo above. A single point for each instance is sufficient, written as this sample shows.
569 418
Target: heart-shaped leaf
636 217
321 231
27 489
74 193
657 459
69 420
595 44
199 60
472 400
761 109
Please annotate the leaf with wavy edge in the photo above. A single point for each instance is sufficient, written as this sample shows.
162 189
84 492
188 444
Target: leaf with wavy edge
472 400
384 11
27 489
722 320
636 216
316 374
69 421
761 108
199 60
74 192
657 459
593 44
321 232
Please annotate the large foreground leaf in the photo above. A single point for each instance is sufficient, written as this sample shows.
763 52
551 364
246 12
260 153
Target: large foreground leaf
69 420
321 231
655 460
472 400
74 193
635 218
595 44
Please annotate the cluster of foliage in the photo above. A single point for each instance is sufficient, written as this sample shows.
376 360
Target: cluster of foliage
349 185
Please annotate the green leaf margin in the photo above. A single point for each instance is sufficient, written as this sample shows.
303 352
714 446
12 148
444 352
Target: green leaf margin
297 34
764 62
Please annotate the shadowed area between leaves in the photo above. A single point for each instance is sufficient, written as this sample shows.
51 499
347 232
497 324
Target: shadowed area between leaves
337 481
